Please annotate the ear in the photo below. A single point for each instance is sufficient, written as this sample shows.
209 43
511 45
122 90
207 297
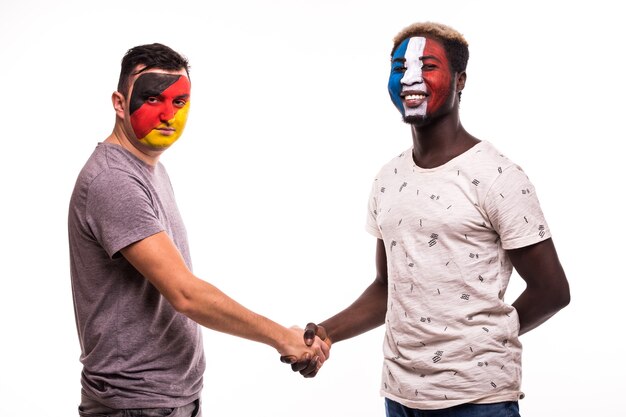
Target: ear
119 104
460 81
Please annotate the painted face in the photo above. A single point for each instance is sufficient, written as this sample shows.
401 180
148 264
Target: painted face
158 108
420 83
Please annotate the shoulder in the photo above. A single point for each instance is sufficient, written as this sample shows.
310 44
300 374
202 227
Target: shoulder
487 165
109 175
506 169
110 161
398 163
486 153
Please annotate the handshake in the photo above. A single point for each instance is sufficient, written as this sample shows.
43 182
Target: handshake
317 351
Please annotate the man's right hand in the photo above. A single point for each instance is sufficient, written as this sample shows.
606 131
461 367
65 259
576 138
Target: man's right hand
314 353
311 330
309 368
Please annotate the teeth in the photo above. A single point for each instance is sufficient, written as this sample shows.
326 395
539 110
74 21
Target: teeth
415 97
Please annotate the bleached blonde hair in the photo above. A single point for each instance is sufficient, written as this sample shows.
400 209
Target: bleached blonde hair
453 41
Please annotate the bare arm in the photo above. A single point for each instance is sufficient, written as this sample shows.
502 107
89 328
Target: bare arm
158 260
547 289
367 312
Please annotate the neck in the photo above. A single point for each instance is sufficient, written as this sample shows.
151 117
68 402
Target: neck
119 137
439 141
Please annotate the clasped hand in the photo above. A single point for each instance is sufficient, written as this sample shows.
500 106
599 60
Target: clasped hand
317 340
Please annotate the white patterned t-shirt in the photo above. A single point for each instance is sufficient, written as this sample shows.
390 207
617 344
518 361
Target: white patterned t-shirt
450 337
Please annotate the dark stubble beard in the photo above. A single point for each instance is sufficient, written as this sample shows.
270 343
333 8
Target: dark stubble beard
414 120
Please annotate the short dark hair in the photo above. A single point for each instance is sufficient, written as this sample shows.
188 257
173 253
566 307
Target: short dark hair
453 42
150 56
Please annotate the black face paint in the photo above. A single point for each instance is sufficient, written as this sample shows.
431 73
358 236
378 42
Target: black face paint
149 85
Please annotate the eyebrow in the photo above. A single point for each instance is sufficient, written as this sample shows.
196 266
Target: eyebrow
422 58
430 57
154 93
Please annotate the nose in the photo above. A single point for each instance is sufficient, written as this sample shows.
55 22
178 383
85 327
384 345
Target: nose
167 112
412 75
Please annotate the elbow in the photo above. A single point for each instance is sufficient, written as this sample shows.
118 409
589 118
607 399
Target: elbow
560 297
182 303
184 295
564 298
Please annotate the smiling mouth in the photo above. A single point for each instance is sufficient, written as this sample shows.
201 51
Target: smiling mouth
414 98
414 95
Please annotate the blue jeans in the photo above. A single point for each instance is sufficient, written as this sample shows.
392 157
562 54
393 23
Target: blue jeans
504 409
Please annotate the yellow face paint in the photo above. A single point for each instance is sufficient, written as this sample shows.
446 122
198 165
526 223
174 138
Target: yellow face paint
166 134
159 105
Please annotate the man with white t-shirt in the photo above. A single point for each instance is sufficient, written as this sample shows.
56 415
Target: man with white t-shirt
452 217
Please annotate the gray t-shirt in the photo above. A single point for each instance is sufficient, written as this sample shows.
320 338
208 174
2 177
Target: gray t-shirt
137 351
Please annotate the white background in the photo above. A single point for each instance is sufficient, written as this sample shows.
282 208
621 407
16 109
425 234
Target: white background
290 121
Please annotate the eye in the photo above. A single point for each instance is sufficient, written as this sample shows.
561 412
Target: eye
398 68
152 100
180 103
429 67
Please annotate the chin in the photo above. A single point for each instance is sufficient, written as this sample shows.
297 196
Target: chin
157 146
414 120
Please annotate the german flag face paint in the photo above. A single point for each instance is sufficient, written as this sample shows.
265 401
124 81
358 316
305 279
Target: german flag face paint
420 83
158 108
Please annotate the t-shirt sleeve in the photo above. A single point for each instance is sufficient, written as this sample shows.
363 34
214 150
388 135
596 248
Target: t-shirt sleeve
371 224
514 211
120 211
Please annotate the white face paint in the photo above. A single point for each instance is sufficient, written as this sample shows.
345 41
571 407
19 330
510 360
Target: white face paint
412 81
421 83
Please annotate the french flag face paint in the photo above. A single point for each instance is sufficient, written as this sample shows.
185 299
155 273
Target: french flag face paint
158 108
420 83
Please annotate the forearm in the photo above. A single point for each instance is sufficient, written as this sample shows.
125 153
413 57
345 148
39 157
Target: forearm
536 305
210 307
157 259
366 313
547 289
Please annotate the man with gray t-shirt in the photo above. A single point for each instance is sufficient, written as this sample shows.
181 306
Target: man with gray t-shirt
137 303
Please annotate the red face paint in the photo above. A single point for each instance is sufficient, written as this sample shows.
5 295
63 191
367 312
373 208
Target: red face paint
437 75
158 106
420 83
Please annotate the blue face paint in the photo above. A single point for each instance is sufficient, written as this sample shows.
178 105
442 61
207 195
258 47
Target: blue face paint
397 72
421 81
